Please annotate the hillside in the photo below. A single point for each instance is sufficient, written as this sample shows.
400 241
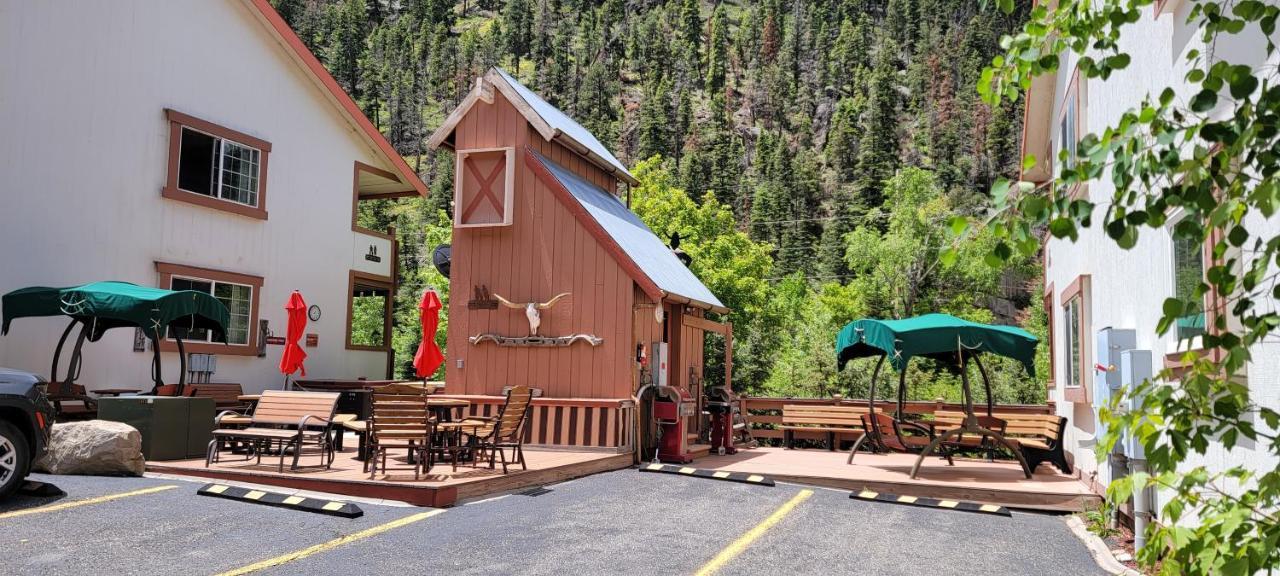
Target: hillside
793 115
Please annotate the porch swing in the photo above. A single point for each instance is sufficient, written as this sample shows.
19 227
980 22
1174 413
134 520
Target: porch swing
101 306
946 339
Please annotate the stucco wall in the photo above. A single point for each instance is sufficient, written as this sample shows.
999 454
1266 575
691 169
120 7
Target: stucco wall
83 159
1128 287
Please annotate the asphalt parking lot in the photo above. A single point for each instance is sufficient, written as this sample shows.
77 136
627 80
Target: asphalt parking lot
617 522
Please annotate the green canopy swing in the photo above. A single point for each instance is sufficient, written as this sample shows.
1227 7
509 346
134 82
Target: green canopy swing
944 338
101 306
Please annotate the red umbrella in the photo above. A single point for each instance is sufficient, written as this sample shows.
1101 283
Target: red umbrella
293 356
429 356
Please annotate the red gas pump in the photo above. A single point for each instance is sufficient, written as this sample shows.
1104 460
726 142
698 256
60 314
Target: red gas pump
670 408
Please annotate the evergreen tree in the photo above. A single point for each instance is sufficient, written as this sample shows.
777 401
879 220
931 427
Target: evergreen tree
656 114
348 29
517 25
878 148
717 52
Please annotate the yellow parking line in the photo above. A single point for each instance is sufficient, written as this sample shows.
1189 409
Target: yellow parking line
736 548
318 548
85 502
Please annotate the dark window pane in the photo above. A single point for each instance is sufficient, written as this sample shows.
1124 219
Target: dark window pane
199 334
196 162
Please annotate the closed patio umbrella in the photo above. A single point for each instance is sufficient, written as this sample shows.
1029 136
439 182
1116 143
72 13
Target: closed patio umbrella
291 360
429 357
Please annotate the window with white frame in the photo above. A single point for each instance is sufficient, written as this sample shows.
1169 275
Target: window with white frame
1188 274
218 167
238 298
1067 130
1073 331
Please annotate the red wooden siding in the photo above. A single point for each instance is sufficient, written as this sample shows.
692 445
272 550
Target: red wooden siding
544 252
568 422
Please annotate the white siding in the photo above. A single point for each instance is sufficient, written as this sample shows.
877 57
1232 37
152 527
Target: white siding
84 154
1128 287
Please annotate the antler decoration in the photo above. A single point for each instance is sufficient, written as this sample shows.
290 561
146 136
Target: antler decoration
532 310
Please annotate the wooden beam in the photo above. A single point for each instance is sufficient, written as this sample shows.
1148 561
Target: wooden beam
704 324
728 358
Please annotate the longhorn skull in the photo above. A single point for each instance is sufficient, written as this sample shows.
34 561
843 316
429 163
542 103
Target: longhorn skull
532 310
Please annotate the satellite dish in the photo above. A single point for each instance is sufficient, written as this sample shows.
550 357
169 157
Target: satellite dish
441 258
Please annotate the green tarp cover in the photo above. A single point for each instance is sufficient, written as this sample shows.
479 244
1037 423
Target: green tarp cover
937 336
106 305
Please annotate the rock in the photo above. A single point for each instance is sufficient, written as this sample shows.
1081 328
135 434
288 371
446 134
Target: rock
93 447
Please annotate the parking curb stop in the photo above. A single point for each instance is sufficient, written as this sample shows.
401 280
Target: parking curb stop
962 506
742 477
300 503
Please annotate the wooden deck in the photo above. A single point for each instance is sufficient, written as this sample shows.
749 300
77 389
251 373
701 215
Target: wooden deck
442 487
998 482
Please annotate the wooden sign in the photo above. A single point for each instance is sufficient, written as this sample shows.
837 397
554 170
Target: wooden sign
275 340
313 340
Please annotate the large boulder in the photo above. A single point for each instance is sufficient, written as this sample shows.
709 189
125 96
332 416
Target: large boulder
93 447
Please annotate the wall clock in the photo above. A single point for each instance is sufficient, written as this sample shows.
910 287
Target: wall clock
313 313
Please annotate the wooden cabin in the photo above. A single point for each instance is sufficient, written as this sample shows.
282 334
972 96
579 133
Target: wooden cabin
555 283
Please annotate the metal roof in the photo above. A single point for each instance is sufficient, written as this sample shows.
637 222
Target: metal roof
649 253
563 123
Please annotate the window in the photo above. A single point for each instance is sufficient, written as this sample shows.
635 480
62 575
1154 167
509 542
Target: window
1050 325
238 292
1069 126
1188 273
369 307
236 297
216 167
1072 314
1075 340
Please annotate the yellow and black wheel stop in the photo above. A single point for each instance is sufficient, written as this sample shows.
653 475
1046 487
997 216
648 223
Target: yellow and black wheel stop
743 477
960 505
301 503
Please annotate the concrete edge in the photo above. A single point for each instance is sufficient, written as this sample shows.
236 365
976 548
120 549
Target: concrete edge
1098 549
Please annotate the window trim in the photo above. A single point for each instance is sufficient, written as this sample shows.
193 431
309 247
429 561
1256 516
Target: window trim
353 277
168 270
1079 288
1075 91
1052 337
177 121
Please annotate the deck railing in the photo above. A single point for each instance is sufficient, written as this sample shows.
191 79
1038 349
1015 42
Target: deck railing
765 413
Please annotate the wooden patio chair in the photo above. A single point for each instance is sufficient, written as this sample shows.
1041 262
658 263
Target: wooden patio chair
892 435
79 404
505 431
400 420
286 421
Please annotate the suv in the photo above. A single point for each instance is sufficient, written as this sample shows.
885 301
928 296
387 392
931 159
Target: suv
26 420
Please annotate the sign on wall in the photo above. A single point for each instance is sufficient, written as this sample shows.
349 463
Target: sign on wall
371 254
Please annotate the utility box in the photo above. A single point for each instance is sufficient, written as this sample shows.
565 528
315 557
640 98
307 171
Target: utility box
172 428
1111 345
1135 368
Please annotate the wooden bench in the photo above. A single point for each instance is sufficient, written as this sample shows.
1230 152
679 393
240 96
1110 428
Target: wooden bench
820 418
1038 435
286 420
225 396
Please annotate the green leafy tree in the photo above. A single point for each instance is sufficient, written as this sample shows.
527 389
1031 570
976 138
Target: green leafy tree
1208 148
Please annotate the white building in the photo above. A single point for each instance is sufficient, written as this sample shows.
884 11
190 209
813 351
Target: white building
1091 284
189 145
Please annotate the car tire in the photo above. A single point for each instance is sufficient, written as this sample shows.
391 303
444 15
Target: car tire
15 459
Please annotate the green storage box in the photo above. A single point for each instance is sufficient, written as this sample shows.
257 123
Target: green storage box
173 428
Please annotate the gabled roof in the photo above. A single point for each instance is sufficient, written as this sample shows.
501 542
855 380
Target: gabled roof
312 67
640 252
547 120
